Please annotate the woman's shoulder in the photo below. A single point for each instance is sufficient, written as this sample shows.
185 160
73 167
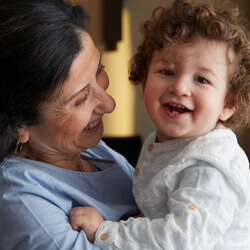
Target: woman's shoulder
15 164
101 151
18 174
104 152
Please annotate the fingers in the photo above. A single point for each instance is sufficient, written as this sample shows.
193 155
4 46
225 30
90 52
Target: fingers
77 211
86 218
81 217
76 222
77 217
83 210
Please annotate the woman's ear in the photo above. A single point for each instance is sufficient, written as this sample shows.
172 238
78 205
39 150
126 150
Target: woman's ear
22 134
226 113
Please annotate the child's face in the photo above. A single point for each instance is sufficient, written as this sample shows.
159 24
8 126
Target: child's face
186 87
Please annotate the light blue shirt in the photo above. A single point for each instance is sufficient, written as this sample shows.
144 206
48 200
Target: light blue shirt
36 198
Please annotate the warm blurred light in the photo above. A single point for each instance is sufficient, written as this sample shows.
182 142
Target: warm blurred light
121 121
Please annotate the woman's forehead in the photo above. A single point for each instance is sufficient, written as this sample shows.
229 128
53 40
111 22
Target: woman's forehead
82 70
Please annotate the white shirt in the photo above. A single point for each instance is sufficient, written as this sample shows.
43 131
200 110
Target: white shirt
194 194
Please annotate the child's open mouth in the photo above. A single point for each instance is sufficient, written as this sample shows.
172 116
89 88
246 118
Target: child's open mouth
176 109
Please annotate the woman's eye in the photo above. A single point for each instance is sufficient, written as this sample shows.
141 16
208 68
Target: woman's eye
202 80
101 67
167 72
83 99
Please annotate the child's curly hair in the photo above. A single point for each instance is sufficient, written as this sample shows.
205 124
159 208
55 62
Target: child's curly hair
183 22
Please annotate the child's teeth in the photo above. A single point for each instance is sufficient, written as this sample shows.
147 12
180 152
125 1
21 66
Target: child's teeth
175 105
176 113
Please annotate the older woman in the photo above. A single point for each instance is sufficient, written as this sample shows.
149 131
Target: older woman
52 99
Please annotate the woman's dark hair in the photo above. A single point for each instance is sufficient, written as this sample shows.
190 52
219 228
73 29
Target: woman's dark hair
39 40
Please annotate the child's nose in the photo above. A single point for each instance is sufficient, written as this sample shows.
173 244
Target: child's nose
180 87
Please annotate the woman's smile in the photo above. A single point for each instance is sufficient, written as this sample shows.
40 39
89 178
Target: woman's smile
94 124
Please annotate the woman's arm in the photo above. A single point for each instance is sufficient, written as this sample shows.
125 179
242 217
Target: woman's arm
29 221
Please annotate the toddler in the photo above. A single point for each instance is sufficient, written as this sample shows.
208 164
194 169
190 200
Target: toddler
192 180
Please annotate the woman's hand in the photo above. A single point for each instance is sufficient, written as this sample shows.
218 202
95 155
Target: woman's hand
86 218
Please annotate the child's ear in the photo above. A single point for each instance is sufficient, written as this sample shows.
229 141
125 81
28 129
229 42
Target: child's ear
22 134
226 113
143 81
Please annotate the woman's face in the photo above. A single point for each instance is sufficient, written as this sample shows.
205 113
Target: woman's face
72 122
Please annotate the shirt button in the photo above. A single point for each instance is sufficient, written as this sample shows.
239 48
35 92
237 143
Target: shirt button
192 206
137 171
104 236
150 147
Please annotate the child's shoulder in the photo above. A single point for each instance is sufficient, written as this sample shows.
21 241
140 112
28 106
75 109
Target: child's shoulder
219 140
219 146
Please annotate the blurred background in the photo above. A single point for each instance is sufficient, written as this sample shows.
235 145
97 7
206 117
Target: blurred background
114 28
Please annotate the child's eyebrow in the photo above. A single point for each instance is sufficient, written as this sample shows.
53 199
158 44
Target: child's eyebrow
162 59
208 71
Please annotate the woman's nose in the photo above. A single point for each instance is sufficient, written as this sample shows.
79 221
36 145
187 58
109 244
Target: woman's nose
180 87
105 102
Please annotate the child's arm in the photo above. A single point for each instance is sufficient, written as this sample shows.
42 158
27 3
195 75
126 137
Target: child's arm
198 216
86 218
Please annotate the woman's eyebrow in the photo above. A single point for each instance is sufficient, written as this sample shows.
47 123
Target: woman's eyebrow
81 90
100 61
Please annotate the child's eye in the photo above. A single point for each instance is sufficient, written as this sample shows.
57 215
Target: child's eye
202 80
167 72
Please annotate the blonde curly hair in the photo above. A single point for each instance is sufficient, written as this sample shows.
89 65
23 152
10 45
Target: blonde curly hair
186 20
